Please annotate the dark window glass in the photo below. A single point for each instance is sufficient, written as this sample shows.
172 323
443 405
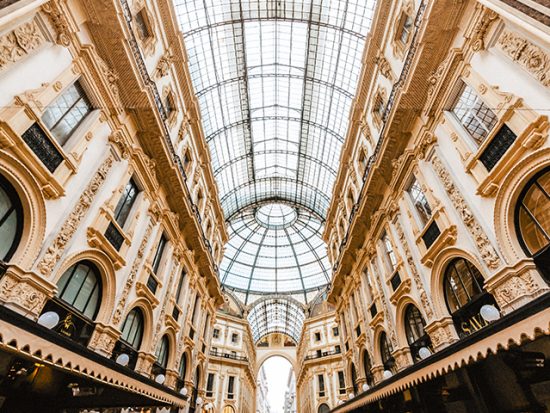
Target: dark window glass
80 287
335 331
158 254
209 385
180 286
406 25
414 324
132 329
498 146
183 366
234 337
367 366
420 202
65 113
216 333
43 147
126 202
142 26
324 408
230 387
321 380
11 220
341 382
463 282
385 351
162 352
317 336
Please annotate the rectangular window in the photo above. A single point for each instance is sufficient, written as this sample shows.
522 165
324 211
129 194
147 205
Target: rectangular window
420 202
180 286
392 260
234 338
321 380
216 333
158 254
126 202
406 25
317 336
337 349
498 146
65 113
335 331
210 385
341 383
43 147
474 114
231 387
140 20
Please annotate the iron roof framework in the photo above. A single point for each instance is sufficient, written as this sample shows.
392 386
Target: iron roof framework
275 80
276 315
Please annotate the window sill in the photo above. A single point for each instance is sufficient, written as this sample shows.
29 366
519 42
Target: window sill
403 289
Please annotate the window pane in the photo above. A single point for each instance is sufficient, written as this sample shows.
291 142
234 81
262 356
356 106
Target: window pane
126 202
534 216
8 233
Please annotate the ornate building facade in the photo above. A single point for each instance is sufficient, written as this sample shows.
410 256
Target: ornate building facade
156 248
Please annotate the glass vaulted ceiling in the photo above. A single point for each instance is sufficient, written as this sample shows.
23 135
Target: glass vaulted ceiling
275 80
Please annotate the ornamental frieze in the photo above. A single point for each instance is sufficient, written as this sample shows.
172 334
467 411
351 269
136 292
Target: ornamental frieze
20 42
531 57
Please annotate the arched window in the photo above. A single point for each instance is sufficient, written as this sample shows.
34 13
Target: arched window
354 378
367 367
80 288
162 352
414 329
11 220
385 352
324 408
533 220
132 329
180 383
464 295
228 409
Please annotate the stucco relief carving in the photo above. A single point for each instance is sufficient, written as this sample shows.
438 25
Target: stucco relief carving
440 336
20 42
385 68
515 287
481 29
426 304
119 310
71 224
530 56
59 21
160 324
164 63
103 342
21 294
487 251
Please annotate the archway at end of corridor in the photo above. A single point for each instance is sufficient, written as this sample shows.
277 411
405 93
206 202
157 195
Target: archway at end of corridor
276 385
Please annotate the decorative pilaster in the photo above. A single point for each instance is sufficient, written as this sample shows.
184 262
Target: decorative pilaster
145 363
402 358
425 301
484 246
441 332
171 378
104 339
117 314
24 292
72 223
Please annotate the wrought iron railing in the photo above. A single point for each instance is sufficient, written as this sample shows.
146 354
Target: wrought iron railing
152 86
321 355
227 355
389 106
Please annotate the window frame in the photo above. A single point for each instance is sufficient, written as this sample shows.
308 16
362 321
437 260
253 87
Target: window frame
141 319
17 208
98 286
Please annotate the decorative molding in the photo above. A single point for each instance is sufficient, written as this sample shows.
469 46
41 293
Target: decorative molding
481 28
71 224
117 314
487 251
531 57
164 64
58 18
426 304
20 42
385 67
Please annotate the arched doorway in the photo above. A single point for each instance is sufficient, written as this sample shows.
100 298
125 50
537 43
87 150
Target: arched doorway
276 386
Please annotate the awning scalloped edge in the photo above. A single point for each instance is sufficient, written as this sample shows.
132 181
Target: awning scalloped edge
524 331
17 340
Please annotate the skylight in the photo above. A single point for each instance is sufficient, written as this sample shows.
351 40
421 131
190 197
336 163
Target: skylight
275 80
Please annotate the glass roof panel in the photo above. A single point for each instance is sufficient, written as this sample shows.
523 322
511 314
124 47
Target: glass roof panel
276 315
275 80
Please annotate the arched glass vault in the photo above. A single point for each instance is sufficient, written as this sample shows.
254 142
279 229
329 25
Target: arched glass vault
275 80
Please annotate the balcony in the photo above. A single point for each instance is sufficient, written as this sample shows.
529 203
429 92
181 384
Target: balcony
228 356
321 354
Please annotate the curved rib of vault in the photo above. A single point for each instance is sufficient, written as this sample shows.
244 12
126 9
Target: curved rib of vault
275 82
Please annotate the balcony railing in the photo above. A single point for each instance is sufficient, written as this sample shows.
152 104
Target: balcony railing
321 355
228 356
